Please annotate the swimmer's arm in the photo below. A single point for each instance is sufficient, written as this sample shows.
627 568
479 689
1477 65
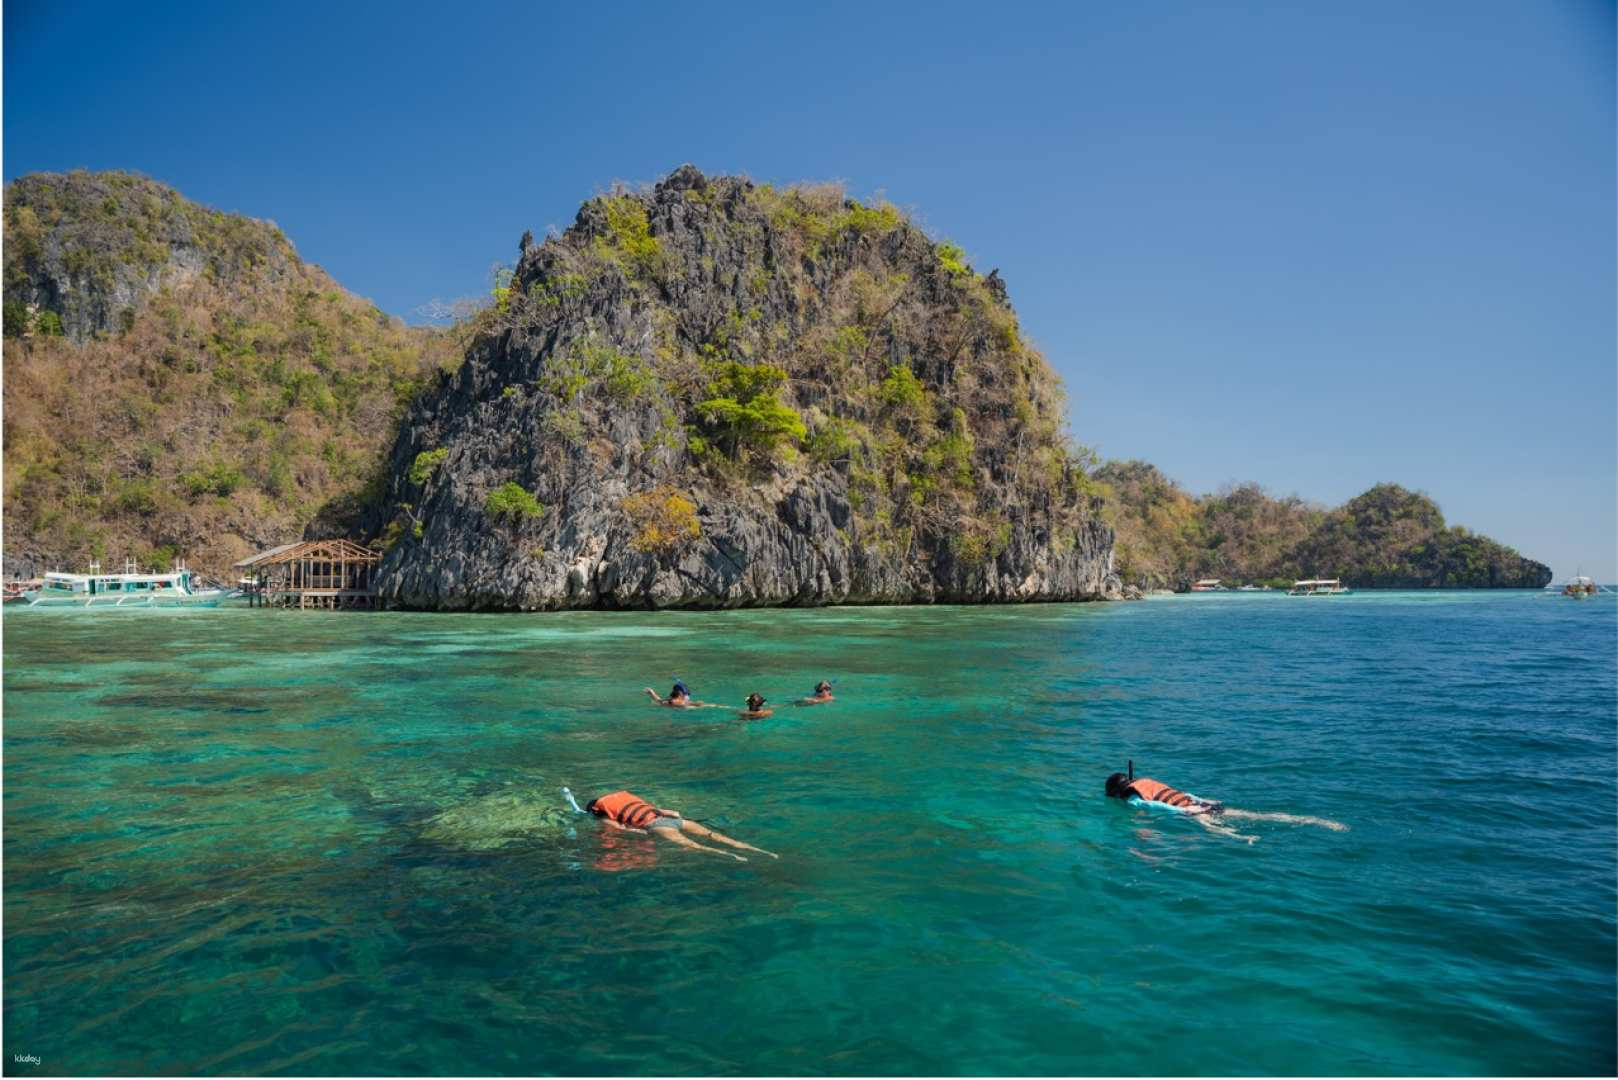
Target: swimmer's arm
620 827
653 695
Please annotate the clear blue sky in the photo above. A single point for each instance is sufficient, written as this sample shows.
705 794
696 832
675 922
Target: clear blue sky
1316 246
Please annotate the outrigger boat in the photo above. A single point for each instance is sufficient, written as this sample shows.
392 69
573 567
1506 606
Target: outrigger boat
1318 587
1582 588
130 589
16 591
1208 585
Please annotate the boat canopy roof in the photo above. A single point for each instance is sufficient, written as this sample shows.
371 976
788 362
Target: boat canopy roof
1318 581
166 575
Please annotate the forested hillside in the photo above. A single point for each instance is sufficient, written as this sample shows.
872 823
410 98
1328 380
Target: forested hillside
1387 537
178 381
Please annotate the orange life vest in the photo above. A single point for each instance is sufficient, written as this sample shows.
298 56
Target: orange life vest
627 809
1152 791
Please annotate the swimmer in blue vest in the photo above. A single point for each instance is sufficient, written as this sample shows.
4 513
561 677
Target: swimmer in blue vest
680 698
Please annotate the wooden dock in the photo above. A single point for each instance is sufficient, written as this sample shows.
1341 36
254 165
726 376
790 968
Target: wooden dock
330 574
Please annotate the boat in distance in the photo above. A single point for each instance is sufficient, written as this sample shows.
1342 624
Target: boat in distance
1318 587
1580 587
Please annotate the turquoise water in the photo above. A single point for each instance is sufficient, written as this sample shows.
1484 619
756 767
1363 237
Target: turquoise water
219 856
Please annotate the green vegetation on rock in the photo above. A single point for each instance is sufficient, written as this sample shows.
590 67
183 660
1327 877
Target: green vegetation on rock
513 502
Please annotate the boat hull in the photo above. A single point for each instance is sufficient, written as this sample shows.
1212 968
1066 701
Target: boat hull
122 603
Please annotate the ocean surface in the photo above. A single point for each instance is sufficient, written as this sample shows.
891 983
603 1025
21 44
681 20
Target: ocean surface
224 849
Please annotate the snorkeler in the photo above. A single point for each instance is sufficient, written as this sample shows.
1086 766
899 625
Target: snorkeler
755 708
1145 791
680 698
632 813
821 695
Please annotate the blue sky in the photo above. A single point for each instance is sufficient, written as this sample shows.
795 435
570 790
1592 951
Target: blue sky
1315 246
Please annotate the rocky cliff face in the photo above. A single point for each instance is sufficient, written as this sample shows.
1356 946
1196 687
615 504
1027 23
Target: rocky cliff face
721 394
91 248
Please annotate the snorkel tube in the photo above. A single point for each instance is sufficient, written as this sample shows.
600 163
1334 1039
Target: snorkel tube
577 809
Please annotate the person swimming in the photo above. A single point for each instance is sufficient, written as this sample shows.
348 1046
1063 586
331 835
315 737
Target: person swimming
821 695
679 698
755 708
1144 791
1148 790
631 813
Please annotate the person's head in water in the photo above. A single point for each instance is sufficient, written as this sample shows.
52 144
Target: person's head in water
1117 785
755 702
822 687
590 807
679 692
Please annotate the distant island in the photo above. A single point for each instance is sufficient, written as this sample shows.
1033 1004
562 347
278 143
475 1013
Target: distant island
707 393
1386 538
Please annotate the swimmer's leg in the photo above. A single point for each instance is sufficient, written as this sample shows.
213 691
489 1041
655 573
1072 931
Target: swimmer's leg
684 841
706 833
1288 819
1212 824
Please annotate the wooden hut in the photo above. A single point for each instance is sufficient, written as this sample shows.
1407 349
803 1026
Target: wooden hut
312 574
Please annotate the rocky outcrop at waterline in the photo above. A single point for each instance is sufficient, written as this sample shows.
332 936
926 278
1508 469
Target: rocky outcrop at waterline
720 394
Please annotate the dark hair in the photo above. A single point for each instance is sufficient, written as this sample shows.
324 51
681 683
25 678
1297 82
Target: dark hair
590 807
754 700
1116 785
679 690
822 686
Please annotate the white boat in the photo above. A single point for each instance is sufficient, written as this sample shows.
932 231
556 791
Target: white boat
1208 585
1580 587
131 589
1318 587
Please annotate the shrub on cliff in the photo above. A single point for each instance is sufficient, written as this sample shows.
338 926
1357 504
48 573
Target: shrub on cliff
745 414
512 502
663 520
